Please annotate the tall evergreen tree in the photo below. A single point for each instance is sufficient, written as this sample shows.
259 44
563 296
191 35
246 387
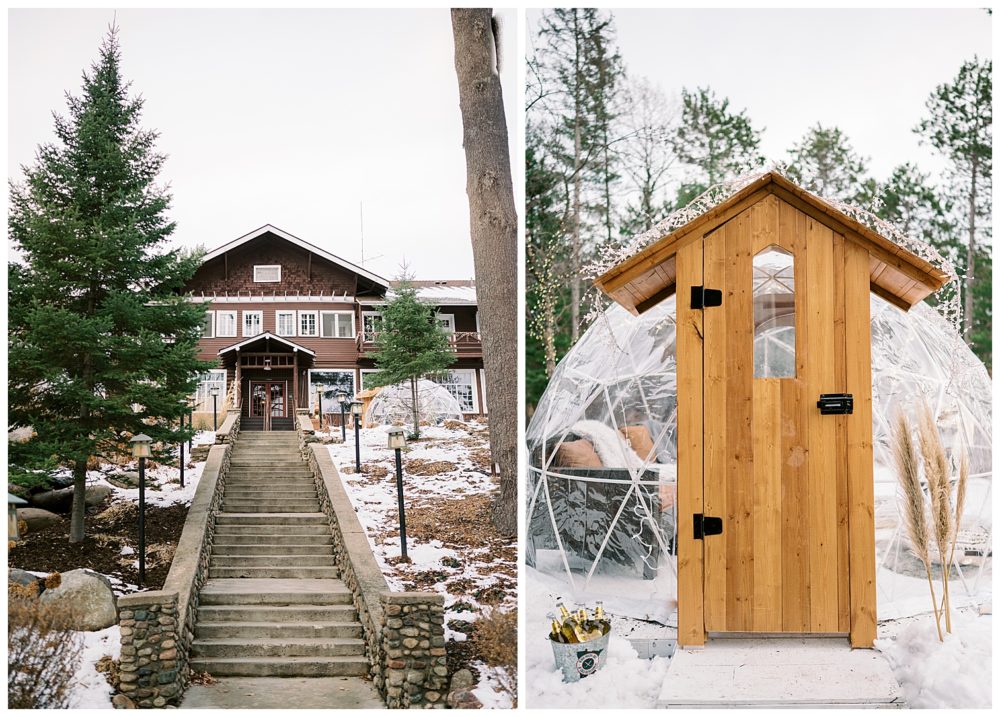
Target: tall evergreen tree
824 162
409 344
918 209
102 345
714 141
960 128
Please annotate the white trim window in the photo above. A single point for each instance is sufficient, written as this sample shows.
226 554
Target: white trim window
363 372
215 378
208 328
253 323
446 322
284 323
461 383
225 324
308 323
333 381
267 273
371 323
336 324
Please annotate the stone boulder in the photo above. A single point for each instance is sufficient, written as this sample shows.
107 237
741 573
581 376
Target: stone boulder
97 494
23 577
125 479
57 501
37 518
88 595
461 694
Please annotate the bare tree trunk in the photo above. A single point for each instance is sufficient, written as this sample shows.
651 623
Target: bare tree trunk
970 263
574 270
549 338
416 407
76 532
493 220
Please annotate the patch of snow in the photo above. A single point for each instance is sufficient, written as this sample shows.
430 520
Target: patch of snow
954 674
90 688
625 680
127 550
489 692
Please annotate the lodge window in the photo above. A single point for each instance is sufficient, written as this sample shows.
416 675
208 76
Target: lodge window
773 314
336 324
307 323
447 322
371 324
267 273
225 323
208 328
284 323
332 382
253 322
461 384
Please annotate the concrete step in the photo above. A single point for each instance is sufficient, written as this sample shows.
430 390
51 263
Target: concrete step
272 539
284 551
262 591
222 560
275 490
233 493
270 519
205 630
271 474
264 460
310 528
278 647
285 614
245 505
281 666
274 572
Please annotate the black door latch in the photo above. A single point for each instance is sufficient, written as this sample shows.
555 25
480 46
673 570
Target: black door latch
835 403
702 297
706 525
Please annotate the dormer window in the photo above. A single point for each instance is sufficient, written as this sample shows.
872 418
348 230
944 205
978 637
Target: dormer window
266 273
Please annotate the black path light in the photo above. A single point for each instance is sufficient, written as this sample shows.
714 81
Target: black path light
320 389
356 408
215 411
190 412
342 400
140 450
397 442
183 411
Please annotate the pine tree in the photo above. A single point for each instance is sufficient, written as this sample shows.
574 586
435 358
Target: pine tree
102 344
715 142
824 162
409 344
960 127
910 203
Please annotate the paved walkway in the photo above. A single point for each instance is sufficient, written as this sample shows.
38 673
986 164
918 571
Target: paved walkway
284 693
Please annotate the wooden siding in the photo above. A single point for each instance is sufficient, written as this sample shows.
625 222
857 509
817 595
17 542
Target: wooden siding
301 271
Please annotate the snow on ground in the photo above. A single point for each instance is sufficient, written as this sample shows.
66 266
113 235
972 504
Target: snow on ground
90 688
956 673
433 565
625 680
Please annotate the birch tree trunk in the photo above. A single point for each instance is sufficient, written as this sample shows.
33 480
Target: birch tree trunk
493 221
970 265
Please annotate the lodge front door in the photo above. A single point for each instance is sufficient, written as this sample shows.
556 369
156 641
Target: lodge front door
267 401
775 464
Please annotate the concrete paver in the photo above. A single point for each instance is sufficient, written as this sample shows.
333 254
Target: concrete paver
284 693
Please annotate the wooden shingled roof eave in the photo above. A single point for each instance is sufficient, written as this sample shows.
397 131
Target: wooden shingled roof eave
620 282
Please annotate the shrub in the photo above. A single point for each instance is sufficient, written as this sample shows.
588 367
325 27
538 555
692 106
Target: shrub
495 638
43 653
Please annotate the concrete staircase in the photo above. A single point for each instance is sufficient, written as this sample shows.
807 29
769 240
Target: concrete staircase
274 604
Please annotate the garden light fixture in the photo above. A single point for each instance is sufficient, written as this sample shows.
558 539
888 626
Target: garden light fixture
356 409
140 449
342 400
397 441
215 411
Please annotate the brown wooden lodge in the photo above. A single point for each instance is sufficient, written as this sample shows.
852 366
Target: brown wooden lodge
285 317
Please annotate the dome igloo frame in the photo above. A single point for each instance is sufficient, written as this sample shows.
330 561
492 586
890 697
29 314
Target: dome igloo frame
775 502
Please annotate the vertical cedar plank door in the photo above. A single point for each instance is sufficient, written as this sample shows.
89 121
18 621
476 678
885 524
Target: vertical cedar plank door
791 485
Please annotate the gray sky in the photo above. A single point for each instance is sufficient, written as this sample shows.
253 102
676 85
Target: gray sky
868 72
284 117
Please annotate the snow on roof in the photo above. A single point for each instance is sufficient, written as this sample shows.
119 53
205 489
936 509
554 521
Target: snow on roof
446 292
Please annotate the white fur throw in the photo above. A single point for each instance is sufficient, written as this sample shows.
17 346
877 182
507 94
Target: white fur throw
609 444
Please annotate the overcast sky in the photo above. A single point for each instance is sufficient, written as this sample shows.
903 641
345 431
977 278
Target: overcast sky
287 117
868 72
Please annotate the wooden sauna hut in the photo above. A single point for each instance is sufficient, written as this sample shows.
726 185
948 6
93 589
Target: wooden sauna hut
775 474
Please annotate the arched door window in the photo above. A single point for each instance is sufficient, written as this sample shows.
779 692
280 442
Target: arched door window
773 314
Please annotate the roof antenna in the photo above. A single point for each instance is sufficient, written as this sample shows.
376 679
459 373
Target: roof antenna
361 205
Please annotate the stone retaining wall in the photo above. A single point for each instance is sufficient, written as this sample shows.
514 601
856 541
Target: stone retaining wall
157 626
404 632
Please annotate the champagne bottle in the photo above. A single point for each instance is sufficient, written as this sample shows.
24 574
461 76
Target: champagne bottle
569 628
569 633
556 635
599 611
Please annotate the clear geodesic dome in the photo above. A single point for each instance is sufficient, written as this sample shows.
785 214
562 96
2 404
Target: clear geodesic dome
603 456
393 405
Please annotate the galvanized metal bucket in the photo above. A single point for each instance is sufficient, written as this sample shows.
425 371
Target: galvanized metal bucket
580 659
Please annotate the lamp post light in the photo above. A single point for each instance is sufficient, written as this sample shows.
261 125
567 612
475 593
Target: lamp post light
183 411
320 388
356 408
190 411
397 441
140 450
342 400
215 410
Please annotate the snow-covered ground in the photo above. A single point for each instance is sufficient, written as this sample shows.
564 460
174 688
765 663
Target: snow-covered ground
624 681
373 495
90 687
954 674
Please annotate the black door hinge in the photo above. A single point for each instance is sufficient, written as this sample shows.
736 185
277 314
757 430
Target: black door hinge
702 297
706 525
835 403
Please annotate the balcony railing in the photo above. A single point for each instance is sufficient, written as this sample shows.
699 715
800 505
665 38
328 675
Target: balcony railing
464 343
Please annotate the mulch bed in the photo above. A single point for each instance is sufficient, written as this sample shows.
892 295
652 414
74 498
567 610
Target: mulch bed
108 528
